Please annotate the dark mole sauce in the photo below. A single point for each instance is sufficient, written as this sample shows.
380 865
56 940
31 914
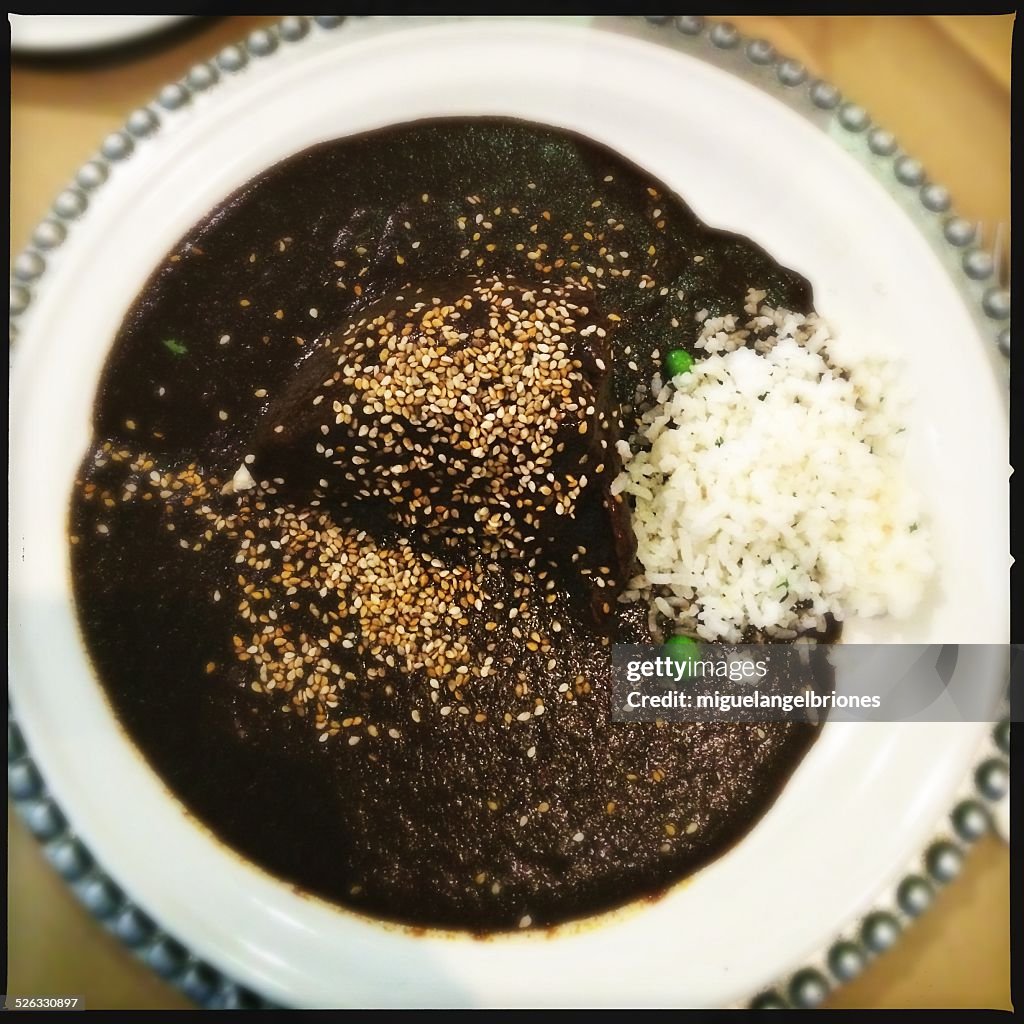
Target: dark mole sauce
466 819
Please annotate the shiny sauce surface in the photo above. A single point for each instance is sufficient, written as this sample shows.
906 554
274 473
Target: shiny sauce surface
437 749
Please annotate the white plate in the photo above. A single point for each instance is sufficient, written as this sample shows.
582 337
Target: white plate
866 799
66 33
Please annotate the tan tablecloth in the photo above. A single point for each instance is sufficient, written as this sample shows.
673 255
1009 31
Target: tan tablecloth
941 83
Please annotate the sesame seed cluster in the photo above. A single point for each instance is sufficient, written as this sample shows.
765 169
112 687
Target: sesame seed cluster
322 607
322 590
482 417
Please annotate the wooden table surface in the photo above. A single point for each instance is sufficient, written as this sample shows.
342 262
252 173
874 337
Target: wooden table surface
940 83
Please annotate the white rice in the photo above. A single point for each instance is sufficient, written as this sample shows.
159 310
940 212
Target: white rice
769 486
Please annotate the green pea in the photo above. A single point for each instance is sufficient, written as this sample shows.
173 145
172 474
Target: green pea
678 361
682 649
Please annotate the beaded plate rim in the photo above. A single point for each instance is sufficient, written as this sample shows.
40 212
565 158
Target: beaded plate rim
755 60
